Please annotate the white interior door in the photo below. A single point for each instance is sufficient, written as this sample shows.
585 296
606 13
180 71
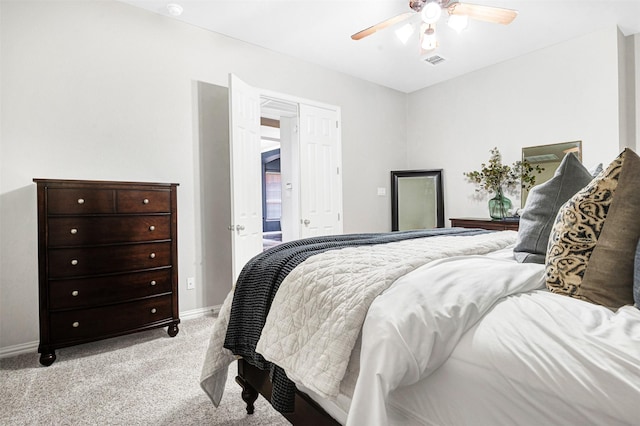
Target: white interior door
246 190
320 172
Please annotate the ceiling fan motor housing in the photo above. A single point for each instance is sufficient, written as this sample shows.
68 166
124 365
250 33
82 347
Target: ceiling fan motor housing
418 5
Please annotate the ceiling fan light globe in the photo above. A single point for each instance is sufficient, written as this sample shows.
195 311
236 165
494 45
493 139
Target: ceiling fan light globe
404 32
458 22
429 40
429 45
431 12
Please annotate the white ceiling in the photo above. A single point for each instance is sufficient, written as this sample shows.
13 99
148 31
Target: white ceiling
319 31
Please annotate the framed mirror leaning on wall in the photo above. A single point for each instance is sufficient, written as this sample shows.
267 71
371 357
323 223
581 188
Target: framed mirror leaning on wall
416 200
548 157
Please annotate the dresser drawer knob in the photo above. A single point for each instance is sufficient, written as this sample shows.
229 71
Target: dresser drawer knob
80 200
153 282
74 231
152 228
152 256
76 324
153 310
74 262
74 293
145 201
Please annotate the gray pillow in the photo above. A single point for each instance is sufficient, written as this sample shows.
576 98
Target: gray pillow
541 208
595 171
636 278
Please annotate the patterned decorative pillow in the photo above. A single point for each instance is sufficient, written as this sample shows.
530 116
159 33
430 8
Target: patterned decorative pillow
593 242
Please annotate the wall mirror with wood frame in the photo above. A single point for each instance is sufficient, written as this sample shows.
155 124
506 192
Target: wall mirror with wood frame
548 157
416 200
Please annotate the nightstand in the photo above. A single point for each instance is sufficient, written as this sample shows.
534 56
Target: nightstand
482 223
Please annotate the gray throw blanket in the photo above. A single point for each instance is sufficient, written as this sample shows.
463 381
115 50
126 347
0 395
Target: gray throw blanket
258 283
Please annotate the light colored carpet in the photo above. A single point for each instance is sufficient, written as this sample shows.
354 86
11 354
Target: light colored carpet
141 379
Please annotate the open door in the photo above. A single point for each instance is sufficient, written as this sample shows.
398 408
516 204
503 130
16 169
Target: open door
246 190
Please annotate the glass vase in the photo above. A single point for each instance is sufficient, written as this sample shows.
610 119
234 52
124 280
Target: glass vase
499 206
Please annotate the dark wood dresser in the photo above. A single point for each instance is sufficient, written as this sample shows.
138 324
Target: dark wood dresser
482 223
107 255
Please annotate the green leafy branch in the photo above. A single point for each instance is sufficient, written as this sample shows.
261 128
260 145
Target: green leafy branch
495 176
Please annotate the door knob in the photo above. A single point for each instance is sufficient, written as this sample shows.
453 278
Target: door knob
306 222
239 227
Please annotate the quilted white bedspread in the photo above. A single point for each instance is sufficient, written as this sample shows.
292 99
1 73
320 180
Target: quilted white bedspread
320 307
331 317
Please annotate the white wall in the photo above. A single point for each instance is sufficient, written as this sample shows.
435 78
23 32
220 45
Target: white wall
103 90
562 93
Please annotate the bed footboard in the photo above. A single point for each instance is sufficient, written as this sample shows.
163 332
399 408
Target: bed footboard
255 381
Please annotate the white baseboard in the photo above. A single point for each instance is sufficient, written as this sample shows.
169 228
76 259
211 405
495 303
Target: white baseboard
200 312
32 347
22 348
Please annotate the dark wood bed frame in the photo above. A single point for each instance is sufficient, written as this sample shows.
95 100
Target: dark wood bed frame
255 381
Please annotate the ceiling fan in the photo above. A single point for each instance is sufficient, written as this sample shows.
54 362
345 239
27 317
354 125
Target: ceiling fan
431 10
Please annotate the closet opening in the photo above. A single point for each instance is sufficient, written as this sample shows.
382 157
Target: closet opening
277 120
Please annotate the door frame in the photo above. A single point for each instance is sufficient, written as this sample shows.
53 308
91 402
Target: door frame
264 93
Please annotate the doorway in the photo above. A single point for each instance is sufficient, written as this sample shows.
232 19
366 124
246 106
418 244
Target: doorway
310 168
275 145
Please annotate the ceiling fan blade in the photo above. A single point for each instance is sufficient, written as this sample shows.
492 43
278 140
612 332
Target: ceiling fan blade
496 15
381 25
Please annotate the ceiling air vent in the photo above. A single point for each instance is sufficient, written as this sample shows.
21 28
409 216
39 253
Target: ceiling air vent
435 59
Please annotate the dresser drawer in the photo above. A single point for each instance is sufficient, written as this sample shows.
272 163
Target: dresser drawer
81 292
76 262
488 224
109 320
76 231
79 201
150 201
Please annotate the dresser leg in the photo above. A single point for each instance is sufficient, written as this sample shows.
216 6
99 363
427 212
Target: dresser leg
47 358
172 330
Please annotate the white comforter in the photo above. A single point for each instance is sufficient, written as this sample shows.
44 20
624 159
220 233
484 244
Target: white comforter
411 329
535 358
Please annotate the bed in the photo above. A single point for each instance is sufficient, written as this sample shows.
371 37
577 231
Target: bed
441 327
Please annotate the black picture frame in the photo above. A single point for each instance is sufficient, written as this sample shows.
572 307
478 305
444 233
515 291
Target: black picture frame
398 194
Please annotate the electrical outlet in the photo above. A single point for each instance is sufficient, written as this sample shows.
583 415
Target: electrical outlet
191 283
